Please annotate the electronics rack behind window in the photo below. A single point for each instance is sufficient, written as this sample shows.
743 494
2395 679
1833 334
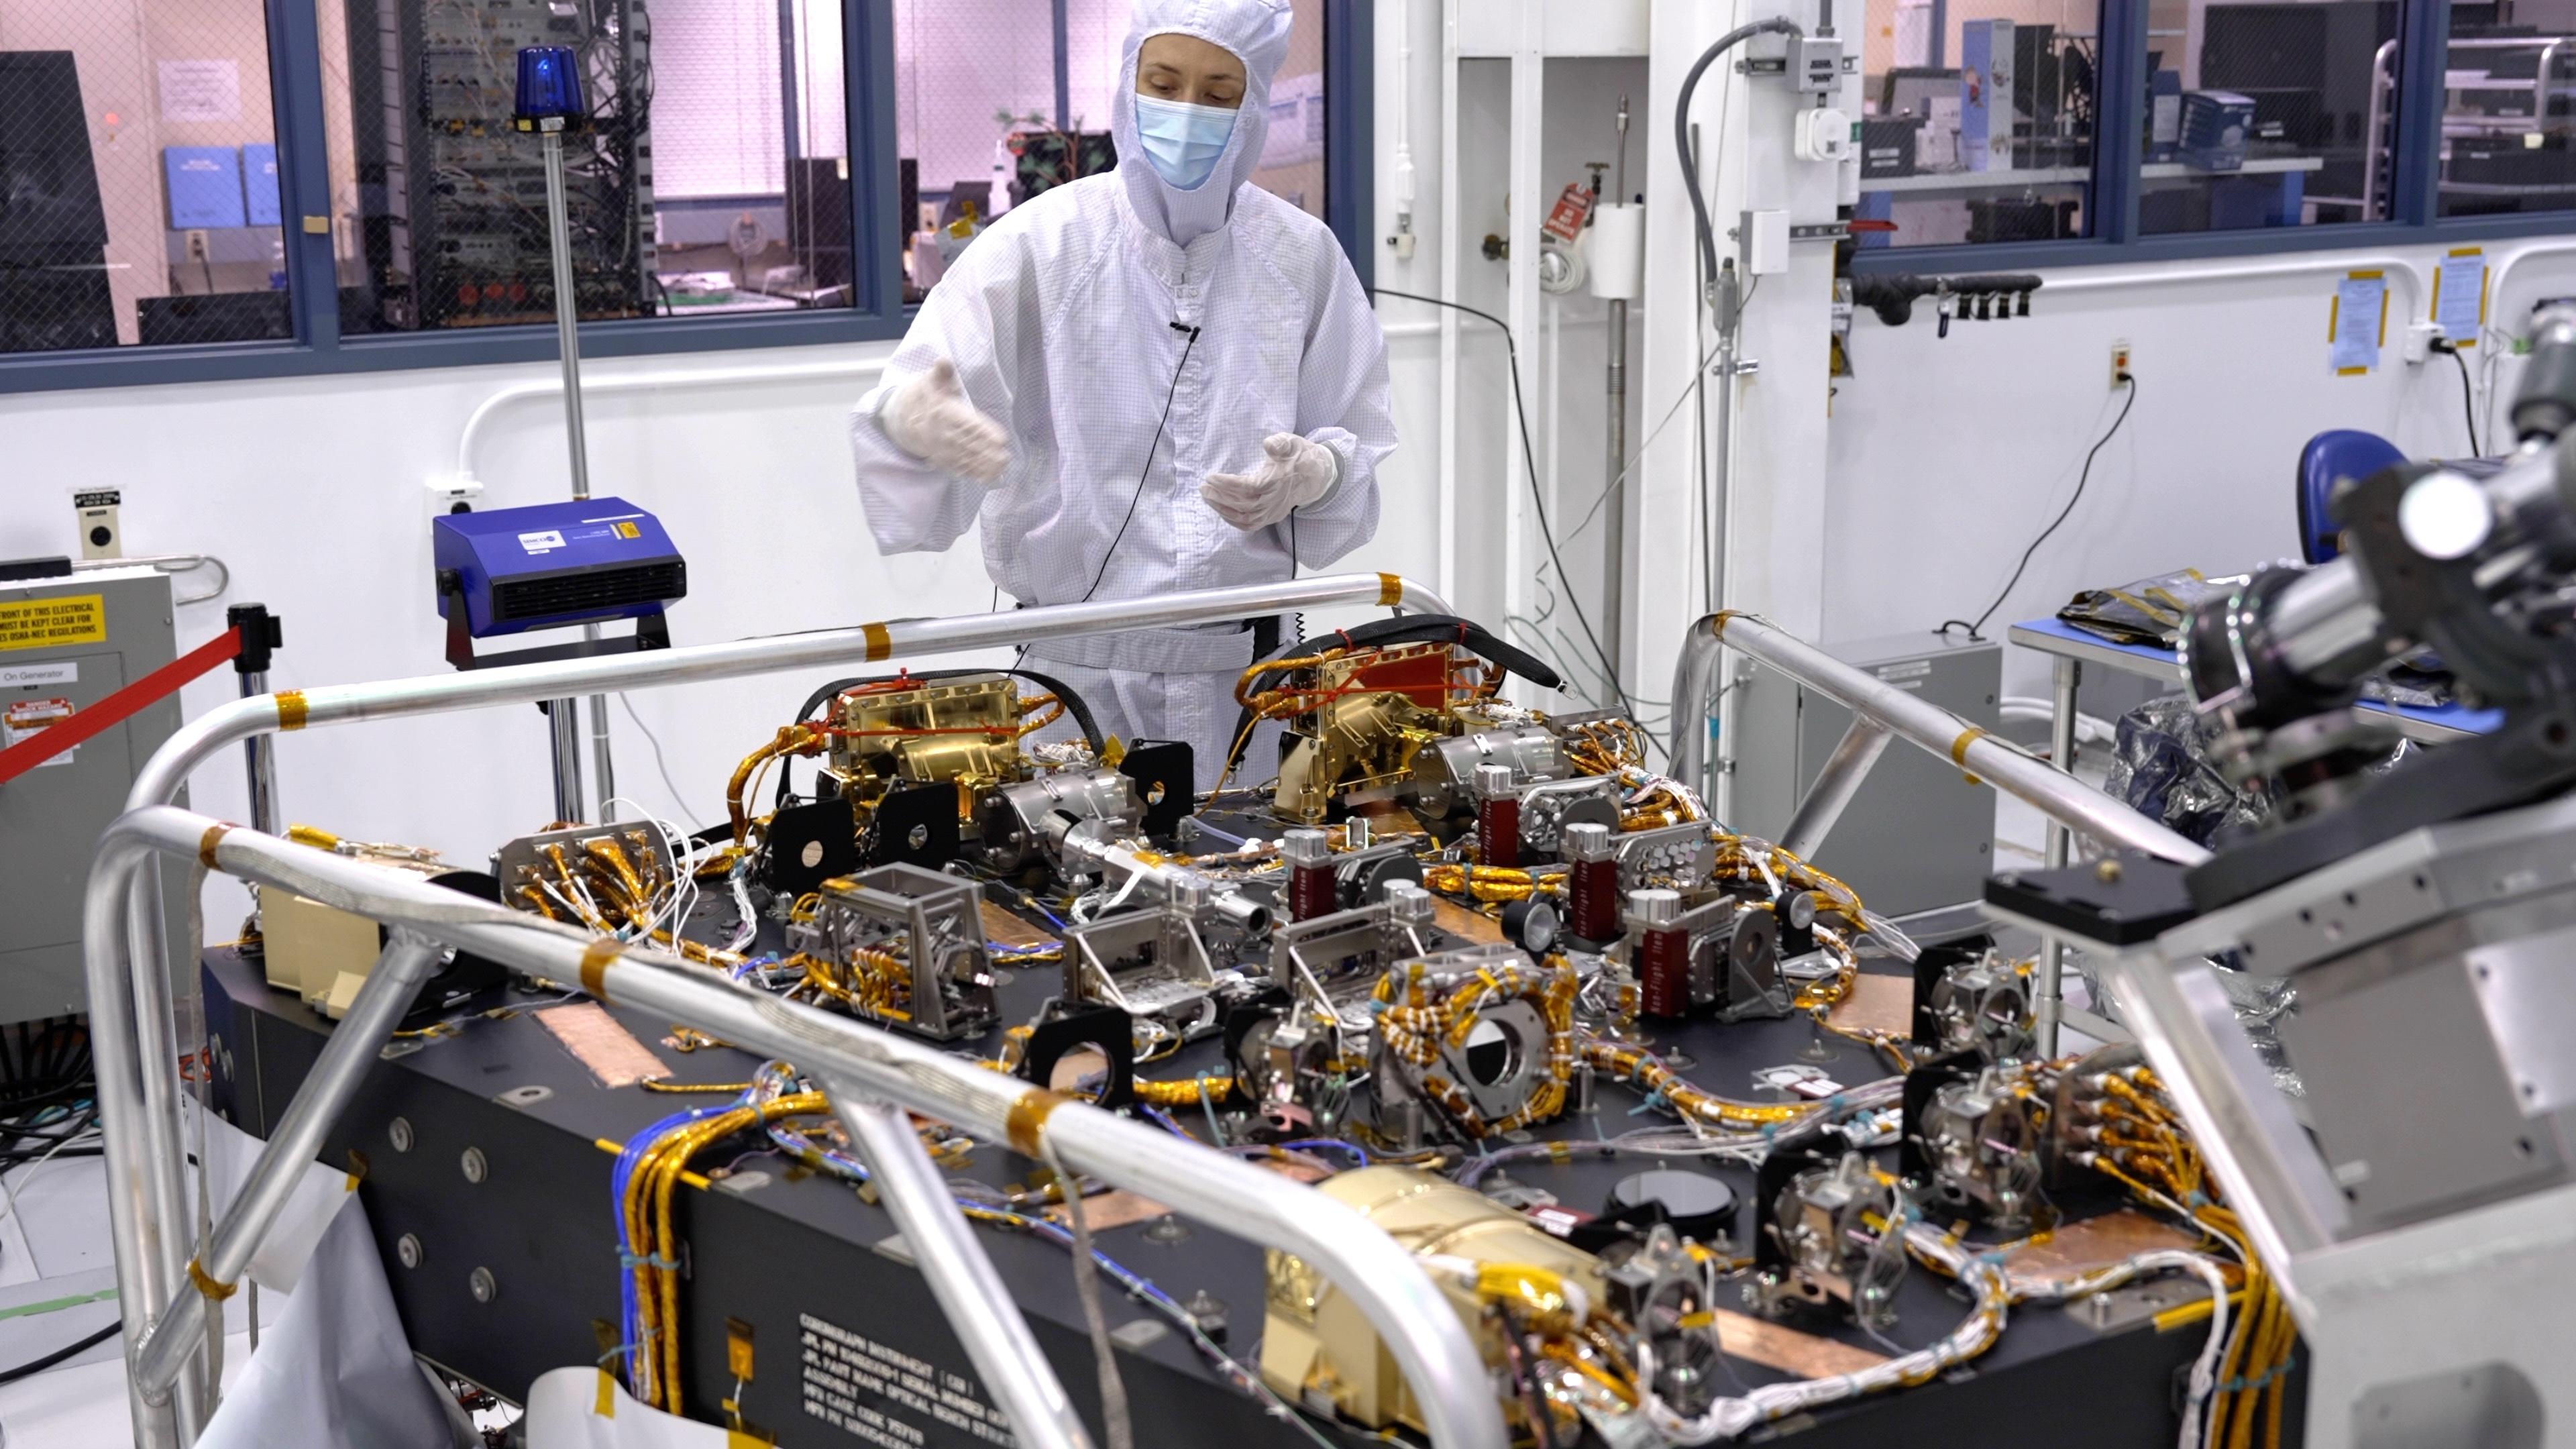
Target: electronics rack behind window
454 199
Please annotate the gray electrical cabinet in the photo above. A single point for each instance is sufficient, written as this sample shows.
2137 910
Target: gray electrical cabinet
66 643
1918 836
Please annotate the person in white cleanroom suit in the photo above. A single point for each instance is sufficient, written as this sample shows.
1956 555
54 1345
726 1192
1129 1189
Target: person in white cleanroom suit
1031 391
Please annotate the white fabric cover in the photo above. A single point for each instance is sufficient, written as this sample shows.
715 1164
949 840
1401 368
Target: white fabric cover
1060 322
564 1413
335 1368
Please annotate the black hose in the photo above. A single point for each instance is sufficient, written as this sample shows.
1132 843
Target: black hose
37 1366
1072 702
1681 123
1408 629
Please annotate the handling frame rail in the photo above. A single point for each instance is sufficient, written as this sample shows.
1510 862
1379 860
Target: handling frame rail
867 1071
1881 711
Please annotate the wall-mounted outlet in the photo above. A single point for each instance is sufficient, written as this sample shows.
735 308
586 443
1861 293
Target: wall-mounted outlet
453 495
197 244
2120 359
2419 340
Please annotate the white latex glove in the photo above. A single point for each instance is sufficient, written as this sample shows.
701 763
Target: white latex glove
1294 472
930 418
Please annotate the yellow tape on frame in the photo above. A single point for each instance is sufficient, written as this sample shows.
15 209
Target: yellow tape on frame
42 623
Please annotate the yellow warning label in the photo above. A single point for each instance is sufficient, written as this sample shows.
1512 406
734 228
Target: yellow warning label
628 530
39 623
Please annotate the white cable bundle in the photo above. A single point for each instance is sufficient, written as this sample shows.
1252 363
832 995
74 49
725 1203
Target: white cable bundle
1618 250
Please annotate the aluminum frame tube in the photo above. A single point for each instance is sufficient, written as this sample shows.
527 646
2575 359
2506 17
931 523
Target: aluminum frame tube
2048 990
406 962
1430 1343
136 1226
2054 793
1854 754
143 1009
979 1306
161 777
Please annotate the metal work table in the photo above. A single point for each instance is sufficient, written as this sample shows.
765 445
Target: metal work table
781 1250
2072 648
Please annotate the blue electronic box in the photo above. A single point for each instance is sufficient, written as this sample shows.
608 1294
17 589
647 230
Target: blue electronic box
552 565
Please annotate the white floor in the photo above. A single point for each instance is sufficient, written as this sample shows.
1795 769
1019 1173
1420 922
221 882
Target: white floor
57 1286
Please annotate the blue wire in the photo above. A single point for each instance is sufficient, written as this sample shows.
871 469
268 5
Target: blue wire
1335 1143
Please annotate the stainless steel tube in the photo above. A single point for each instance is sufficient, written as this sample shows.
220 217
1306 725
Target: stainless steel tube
1694 685
163 1126
2055 794
405 963
1835 785
1431 1345
2048 992
962 1278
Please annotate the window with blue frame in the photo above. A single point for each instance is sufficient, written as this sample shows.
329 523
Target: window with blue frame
1977 121
138 176
2269 113
2509 109
994 105
711 180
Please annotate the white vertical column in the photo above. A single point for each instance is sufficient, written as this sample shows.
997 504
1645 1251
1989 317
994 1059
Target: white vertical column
1524 553
1771 511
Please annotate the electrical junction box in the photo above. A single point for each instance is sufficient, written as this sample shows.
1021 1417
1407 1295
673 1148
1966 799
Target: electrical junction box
1765 236
552 564
1816 64
1918 836
67 642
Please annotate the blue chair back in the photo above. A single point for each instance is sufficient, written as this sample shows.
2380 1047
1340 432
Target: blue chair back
2329 458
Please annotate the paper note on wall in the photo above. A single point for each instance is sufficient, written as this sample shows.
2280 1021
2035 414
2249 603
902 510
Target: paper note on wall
2358 325
200 90
2460 295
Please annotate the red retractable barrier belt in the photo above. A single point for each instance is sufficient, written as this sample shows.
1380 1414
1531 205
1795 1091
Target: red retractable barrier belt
117 708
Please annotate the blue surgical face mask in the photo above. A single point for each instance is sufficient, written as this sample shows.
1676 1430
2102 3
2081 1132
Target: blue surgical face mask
1182 140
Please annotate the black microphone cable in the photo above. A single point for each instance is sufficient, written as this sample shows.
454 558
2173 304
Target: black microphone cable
1147 471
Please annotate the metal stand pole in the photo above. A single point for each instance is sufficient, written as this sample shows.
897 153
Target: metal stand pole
2047 994
567 726
1614 512
1614 521
563 719
260 633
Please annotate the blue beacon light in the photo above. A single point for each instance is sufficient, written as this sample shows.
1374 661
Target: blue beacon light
549 87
